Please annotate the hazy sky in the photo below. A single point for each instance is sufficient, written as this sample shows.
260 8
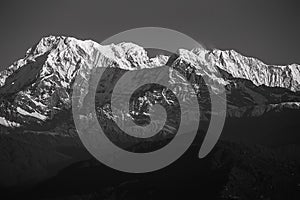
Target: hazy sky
269 30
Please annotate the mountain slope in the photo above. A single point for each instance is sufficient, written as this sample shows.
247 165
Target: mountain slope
39 86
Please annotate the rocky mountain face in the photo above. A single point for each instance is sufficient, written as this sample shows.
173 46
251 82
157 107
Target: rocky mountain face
36 89
36 93
256 71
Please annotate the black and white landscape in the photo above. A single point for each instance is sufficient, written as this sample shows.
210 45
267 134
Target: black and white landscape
53 51
42 156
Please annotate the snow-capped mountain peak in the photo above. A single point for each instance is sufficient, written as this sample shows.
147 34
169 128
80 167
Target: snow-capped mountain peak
38 86
253 69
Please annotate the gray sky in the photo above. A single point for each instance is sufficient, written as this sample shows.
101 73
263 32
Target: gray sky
268 30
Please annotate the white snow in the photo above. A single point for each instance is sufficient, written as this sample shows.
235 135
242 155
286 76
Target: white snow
8 123
38 103
70 54
33 114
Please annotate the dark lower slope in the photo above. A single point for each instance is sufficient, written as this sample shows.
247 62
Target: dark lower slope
231 171
257 158
275 128
27 158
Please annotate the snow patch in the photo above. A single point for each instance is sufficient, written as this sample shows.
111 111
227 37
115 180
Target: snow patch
33 114
8 123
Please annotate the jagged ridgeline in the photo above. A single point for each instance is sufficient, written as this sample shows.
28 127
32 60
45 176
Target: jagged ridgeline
38 136
37 89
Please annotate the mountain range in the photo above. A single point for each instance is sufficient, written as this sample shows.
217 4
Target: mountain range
39 138
39 86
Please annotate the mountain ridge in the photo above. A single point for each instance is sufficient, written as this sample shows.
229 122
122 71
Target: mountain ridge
35 88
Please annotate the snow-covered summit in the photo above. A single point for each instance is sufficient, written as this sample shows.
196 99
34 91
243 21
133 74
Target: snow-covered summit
38 86
253 69
41 82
